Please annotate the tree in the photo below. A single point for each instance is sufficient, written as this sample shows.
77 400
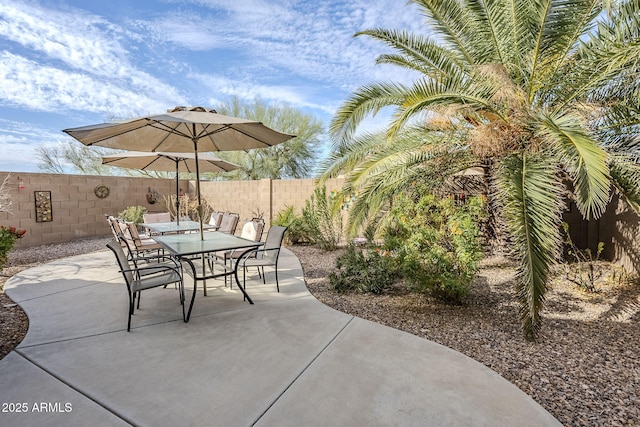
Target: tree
539 93
295 158
6 201
71 155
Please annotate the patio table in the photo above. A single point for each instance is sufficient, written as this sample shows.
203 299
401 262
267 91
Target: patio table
174 227
187 246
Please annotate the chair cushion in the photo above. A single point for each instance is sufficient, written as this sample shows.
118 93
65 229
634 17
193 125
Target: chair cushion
249 230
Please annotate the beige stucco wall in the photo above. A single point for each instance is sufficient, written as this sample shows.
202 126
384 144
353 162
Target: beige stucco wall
77 212
260 198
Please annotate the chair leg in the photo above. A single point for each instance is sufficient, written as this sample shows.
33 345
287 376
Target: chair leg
181 291
244 276
139 298
132 303
276 271
264 278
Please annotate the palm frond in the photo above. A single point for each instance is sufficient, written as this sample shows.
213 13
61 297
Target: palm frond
353 152
429 94
451 22
584 158
504 27
369 99
561 26
531 197
380 173
416 52
625 176
609 55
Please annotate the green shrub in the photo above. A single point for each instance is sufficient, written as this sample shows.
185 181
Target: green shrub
435 243
323 218
133 214
362 271
8 238
297 231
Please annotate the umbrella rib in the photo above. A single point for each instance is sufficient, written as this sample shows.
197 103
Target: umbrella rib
177 160
170 130
150 163
226 127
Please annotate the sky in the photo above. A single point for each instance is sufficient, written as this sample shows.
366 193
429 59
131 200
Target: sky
67 63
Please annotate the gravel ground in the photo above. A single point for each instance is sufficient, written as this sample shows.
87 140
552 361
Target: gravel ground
585 370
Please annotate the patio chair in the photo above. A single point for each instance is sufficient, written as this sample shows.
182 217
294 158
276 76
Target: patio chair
139 279
251 230
115 228
265 256
139 243
229 223
156 217
215 218
121 233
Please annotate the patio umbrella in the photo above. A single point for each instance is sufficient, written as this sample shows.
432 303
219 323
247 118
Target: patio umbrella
182 129
162 161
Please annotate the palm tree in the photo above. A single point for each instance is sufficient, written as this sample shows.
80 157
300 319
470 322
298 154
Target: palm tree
539 92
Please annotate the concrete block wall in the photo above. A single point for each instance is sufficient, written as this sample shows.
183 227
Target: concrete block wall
264 198
77 212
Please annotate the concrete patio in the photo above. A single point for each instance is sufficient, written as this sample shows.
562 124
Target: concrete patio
288 360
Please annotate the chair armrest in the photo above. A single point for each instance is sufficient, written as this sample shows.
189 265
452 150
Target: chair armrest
157 257
250 253
161 268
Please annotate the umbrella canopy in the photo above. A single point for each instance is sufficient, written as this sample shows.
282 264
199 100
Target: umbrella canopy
162 161
169 162
182 129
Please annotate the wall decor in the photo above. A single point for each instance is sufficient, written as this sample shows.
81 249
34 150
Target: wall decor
101 191
43 206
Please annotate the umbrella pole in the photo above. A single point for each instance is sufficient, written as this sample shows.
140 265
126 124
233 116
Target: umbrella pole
177 196
195 150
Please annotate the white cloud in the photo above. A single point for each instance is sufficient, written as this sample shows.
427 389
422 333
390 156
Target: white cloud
311 39
81 41
184 30
249 91
36 87
19 141
86 69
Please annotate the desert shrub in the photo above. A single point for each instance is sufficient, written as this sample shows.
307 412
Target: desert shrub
435 243
323 218
133 214
297 231
582 267
362 271
8 238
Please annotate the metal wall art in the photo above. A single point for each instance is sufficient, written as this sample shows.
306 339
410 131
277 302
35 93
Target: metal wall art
43 206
